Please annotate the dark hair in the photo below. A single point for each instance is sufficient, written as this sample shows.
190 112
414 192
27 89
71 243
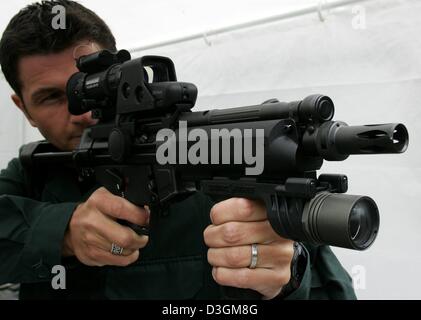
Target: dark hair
31 32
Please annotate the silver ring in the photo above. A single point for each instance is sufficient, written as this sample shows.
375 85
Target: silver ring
116 250
253 262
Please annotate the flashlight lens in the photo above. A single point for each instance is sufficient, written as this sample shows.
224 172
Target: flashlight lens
363 222
348 221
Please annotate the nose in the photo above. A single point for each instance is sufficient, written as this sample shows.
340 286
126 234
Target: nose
85 120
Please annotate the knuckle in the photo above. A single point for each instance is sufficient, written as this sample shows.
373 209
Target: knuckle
206 232
218 275
125 240
92 200
234 256
282 278
146 241
95 198
88 238
231 233
210 256
245 207
142 242
206 235
140 215
282 253
289 252
87 262
214 214
76 221
215 274
89 222
92 254
83 214
243 278
124 262
94 263
101 192
135 257
117 208
84 226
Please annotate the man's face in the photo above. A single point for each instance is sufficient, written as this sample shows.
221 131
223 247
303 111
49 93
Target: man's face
44 101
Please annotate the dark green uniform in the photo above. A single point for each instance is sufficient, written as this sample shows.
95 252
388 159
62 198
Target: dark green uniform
34 217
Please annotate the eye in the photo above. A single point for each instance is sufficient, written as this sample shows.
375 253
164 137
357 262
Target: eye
53 97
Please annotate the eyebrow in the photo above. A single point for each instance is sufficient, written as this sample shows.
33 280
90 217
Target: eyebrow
40 93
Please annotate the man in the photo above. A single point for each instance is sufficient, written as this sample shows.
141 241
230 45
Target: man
53 218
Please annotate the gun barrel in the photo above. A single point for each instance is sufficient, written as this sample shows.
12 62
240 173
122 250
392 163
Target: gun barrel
372 139
335 141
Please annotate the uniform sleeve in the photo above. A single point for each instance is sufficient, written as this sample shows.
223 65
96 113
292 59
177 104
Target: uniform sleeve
324 278
31 232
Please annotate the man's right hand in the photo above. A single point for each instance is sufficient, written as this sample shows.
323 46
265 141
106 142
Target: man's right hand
94 228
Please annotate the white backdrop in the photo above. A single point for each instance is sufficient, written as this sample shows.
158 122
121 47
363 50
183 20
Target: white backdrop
373 74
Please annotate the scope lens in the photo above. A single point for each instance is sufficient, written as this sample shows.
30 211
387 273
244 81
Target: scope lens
326 109
74 92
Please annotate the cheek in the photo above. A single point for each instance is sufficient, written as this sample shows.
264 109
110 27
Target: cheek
52 120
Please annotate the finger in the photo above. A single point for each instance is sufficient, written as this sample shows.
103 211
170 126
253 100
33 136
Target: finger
238 209
120 208
148 216
268 282
122 236
275 255
99 242
239 233
102 258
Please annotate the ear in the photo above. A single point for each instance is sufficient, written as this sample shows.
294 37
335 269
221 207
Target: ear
19 103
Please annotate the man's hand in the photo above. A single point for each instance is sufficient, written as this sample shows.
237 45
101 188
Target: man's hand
236 224
93 229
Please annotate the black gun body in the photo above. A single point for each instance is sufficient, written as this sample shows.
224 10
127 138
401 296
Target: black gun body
293 150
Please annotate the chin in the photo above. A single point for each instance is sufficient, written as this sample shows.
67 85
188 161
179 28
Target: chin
75 143
72 144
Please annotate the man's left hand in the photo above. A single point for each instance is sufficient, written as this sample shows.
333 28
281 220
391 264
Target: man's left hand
238 223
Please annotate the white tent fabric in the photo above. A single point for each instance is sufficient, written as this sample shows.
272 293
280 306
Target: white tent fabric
372 74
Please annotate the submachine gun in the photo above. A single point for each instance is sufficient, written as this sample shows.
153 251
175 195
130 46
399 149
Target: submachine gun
135 99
